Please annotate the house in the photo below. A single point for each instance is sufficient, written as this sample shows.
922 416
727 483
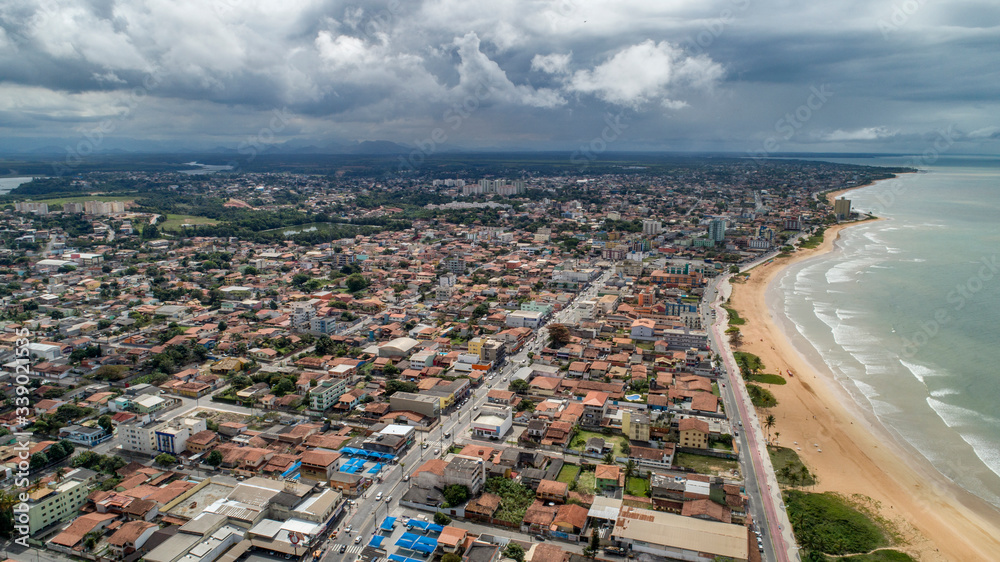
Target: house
86 436
693 433
594 408
570 519
597 446
131 536
319 465
551 490
608 476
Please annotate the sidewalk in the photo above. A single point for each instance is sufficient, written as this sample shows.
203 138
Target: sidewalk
778 526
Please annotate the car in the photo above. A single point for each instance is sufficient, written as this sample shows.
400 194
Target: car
476 407
348 529
357 539
342 549
437 451
388 499
424 445
378 497
406 478
447 435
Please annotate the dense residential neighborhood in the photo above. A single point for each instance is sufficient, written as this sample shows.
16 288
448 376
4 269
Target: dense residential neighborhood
347 366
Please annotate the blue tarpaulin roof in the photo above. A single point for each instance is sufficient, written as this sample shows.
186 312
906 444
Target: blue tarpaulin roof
417 523
434 528
397 558
376 541
387 523
422 547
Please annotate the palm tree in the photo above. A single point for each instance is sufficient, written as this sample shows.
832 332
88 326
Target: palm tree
777 436
609 458
769 422
629 469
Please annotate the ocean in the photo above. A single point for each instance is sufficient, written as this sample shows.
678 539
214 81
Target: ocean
904 312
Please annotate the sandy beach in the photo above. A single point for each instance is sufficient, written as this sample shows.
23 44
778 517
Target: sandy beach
856 455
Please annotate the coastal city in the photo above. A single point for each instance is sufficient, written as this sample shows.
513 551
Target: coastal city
455 366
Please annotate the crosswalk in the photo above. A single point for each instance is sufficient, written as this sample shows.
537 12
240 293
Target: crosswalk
354 549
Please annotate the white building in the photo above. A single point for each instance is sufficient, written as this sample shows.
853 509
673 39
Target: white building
525 319
492 421
152 437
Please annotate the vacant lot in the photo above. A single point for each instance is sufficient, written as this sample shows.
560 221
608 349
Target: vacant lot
637 487
580 441
706 465
568 473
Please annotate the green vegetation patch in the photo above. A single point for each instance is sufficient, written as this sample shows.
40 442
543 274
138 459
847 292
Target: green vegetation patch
568 473
579 441
829 524
789 468
174 222
767 379
514 498
734 317
761 397
703 464
637 487
813 241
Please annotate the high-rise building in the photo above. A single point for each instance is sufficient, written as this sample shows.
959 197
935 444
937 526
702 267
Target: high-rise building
717 230
651 227
842 208
27 207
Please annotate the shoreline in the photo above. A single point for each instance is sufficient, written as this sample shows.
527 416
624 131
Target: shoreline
937 519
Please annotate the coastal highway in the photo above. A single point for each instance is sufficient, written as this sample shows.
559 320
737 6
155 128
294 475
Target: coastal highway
762 488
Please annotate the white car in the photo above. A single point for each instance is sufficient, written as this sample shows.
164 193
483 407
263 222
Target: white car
378 497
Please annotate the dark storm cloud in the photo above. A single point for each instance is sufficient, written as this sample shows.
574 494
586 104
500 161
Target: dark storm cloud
523 73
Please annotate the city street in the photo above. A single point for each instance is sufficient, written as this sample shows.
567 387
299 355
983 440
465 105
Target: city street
761 486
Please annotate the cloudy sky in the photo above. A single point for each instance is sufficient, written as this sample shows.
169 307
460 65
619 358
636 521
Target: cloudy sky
758 76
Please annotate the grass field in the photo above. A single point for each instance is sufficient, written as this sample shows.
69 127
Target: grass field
174 222
706 465
637 487
586 484
734 317
568 473
580 441
768 379
784 456
82 198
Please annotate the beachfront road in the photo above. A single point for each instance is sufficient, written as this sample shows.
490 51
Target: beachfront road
761 486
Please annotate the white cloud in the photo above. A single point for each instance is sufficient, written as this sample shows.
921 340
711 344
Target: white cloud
551 64
864 134
477 73
644 72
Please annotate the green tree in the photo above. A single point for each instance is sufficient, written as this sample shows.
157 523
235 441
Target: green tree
609 458
223 325
441 519
38 460
451 557
214 458
456 494
559 335
284 386
300 279
356 282
163 459
105 423
595 541
519 386
514 551
769 422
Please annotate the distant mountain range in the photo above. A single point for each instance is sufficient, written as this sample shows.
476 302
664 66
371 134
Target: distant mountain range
135 146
